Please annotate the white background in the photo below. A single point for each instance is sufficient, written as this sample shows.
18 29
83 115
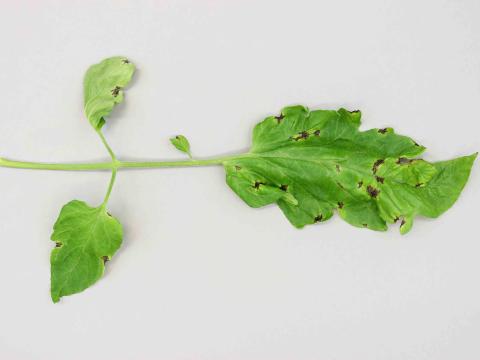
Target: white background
201 275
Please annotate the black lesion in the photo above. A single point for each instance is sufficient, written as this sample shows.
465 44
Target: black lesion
284 187
57 244
301 136
105 259
238 168
403 161
360 184
257 184
354 111
340 186
340 204
379 179
125 61
316 133
373 192
116 90
396 219
402 223
376 164
415 143
279 118
318 218
383 131
365 225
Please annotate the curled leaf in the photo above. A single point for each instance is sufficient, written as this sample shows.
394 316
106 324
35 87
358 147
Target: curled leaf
103 88
313 163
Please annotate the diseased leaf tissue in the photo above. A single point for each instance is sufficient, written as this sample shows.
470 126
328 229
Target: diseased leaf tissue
310 163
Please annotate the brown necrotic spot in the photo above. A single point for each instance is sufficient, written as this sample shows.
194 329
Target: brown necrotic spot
340 205
403 161
360 184
376 164
318 218
396 219
382 131
105 259
373 192
402 223
126 61
284 187
257 184
354 111
238 168
279 118
316 133
365 225
301 135
379 179
418 185
57 244
116 91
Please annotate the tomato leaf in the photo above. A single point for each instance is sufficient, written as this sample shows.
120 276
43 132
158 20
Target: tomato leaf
181 143
103 88
313 163
85 238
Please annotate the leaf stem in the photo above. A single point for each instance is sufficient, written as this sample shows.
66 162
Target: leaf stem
104 141
110 187
98 166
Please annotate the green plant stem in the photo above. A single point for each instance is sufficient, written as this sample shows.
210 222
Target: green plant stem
95 166
110 187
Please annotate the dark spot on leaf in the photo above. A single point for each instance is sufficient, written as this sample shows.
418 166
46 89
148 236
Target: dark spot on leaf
337 167
238 167
418 185
284 187
126 61
109 214
403 160
379 179
415 143
354 111
280 118
365 225
116 91
382 131
318 218
372 191
316 133
402 223
105 259
360 184
376 164
340 186
340 205
396 219
257 184
57 244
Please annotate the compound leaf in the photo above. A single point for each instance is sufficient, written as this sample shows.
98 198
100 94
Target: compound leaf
103 88
85 238
312 163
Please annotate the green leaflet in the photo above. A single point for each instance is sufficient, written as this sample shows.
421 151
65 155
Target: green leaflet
103 88
181 143
313 163
85 237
